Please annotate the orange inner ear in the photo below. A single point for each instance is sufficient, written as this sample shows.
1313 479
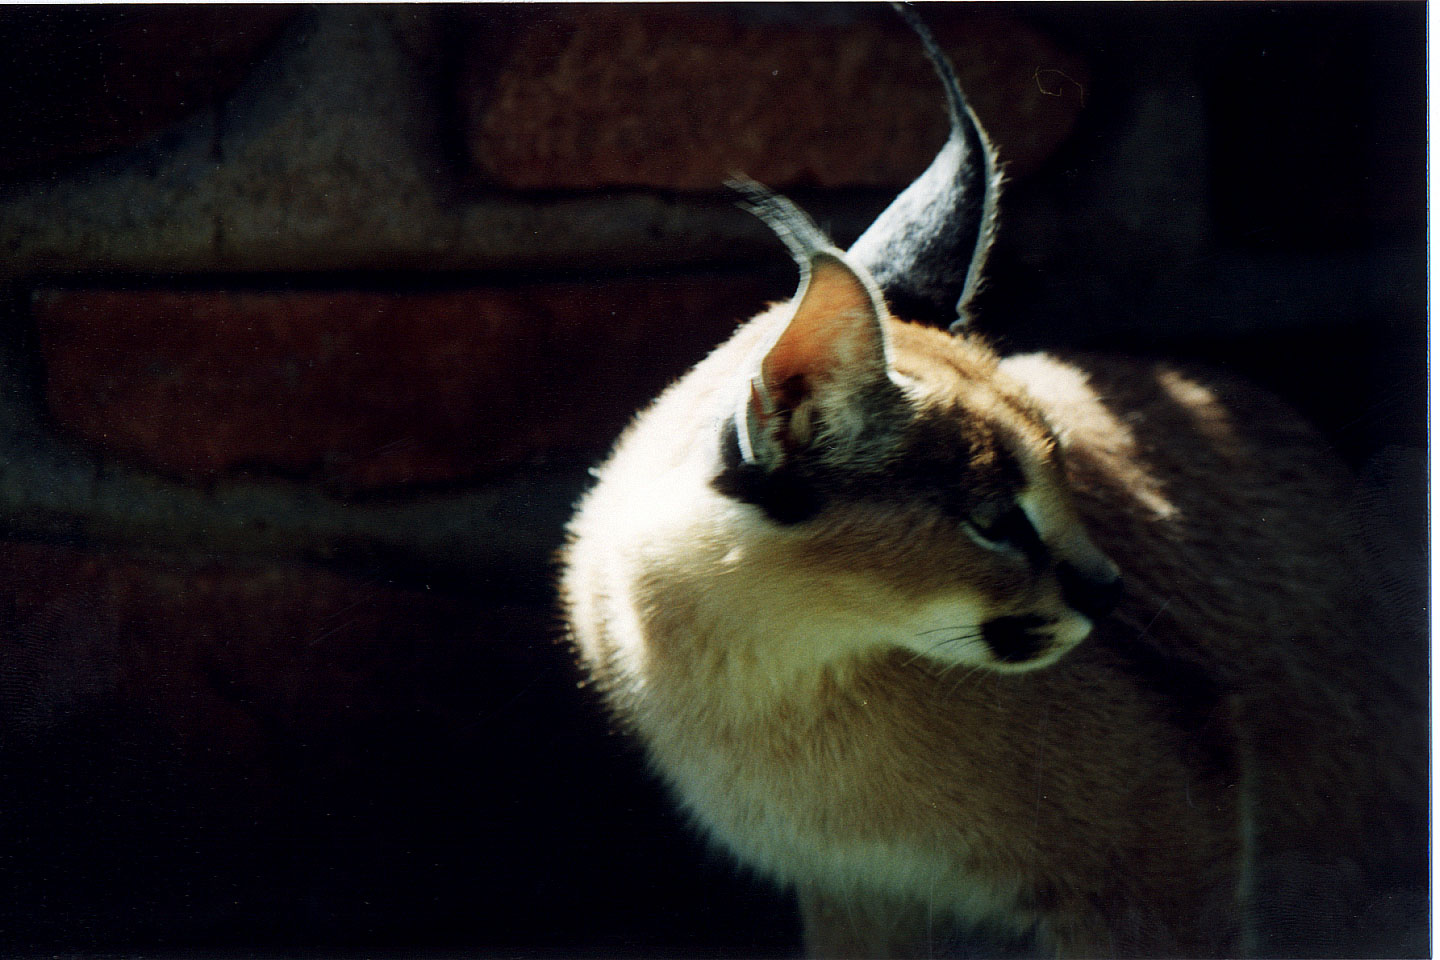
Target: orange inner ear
836 326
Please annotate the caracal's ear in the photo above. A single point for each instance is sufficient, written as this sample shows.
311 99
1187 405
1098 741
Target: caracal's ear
816 385
927 249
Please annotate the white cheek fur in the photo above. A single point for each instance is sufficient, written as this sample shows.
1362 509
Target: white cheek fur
946 629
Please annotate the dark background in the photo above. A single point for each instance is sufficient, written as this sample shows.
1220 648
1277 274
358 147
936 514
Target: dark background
189 765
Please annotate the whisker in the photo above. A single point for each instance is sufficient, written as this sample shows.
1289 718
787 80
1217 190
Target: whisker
969 641
957 637
1133 623
926 633
918 655
968 637
974 669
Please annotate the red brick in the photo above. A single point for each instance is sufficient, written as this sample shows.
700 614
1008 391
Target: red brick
681 98
371 390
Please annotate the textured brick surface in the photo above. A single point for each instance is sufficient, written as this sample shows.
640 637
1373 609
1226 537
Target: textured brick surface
332 155
369 390
607 96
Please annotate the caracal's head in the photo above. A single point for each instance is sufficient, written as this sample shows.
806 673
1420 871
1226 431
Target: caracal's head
912 492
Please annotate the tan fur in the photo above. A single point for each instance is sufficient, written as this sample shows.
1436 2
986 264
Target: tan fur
787 683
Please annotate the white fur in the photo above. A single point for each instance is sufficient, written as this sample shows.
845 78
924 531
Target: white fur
652 544
678 599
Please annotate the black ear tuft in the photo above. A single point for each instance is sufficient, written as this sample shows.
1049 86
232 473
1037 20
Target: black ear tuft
791 224
927 249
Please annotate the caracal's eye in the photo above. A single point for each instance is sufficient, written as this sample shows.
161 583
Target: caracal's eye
1002 527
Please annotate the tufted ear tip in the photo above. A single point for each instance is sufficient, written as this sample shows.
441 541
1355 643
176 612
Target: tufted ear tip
814 384
804 239
927 249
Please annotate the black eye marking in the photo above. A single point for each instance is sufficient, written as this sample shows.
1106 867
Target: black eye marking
1007 528
786 497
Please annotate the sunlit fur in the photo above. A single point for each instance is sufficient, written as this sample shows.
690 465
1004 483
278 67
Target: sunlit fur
816 695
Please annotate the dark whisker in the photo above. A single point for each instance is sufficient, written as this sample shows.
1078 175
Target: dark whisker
949 640
926 633
967 637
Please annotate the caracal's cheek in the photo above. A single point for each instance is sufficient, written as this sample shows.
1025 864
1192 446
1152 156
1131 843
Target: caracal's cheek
947 629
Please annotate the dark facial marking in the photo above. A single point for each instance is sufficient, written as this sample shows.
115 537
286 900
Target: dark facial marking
783 494
1013 528
1014 639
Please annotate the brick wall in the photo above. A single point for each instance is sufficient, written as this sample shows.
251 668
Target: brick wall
314 318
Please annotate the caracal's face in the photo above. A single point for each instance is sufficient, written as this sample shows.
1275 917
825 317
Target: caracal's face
962 545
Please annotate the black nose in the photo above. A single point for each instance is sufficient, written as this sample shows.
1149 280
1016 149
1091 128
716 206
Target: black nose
1090 595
